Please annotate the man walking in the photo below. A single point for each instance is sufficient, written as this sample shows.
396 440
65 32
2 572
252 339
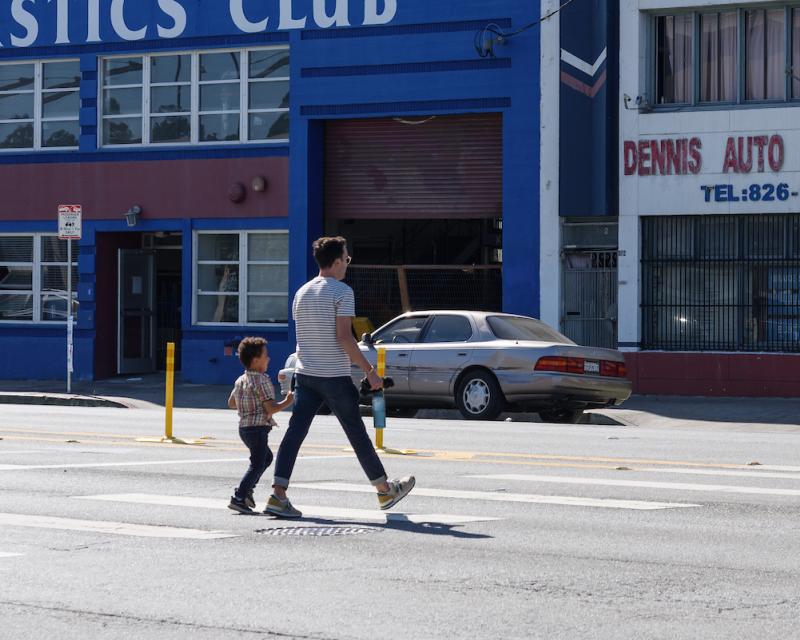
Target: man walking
323 312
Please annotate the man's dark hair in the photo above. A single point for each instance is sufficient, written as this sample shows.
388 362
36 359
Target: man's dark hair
328 250
250 349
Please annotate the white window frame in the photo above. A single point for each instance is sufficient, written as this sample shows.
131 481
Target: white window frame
243 262
39 92
36 285
195 113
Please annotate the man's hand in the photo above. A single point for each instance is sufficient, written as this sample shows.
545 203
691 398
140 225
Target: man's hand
374 380
289 399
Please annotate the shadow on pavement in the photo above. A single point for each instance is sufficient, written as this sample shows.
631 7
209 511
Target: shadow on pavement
398 523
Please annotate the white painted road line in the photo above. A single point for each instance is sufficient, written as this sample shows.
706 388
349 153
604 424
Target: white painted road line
642 484
309 511
116 528
721 472
9 555
569 501
140 463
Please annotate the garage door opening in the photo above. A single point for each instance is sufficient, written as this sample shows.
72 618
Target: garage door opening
420 202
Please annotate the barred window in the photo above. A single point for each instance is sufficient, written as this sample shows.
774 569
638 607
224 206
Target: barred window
40 105
721 283
33 278
196 98
241 277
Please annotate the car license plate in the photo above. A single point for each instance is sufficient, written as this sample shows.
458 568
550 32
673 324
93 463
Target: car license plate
591 367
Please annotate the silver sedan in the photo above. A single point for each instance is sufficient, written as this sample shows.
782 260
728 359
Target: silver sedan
484 363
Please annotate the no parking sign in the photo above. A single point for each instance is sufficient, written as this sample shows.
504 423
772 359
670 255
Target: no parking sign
69 221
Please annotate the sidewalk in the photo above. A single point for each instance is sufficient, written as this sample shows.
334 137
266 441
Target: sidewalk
658 412
130 392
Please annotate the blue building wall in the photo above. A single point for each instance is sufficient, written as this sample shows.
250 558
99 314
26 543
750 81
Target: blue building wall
422 62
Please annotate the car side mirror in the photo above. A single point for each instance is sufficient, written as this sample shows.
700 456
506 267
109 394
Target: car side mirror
367 338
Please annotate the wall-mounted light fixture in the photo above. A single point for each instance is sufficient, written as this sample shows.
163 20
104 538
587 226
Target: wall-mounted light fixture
259 184
132 215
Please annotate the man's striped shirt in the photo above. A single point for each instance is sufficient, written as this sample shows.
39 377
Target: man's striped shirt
316 306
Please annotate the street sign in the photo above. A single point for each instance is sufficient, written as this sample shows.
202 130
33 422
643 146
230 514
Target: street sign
69 221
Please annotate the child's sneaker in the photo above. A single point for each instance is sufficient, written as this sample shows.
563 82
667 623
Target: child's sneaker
398 489
281 508
240 506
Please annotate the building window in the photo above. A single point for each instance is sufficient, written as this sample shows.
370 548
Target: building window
33 278
242 277
765 54
744 56
40 105
718 57
196 98
721 283
674 58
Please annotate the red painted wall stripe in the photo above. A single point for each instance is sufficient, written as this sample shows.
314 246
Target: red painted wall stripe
164 189
724 374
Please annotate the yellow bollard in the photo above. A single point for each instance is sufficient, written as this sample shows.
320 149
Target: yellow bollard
381 368
169 397
170 392
381 373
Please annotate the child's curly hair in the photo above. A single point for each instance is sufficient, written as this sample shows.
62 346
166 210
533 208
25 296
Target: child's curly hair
250 349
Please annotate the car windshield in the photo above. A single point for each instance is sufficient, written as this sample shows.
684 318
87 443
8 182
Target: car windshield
516 328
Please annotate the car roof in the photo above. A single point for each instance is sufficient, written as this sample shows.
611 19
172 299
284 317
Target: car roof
462 312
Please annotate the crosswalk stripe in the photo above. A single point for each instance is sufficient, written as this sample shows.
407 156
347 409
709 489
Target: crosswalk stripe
642 484
311 511
722 472
4 554
116 528
570 501
141 463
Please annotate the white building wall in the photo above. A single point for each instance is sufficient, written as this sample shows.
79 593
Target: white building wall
643 195
550 232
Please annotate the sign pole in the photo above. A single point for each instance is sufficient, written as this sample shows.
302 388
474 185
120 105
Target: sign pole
70 228
69 317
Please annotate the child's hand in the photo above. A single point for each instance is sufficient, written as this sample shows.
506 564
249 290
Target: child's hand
289 399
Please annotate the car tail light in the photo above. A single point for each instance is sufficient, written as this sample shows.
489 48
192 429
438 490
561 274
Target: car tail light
560 364
563 364
613 369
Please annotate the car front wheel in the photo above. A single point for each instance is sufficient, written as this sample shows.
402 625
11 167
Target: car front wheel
478 396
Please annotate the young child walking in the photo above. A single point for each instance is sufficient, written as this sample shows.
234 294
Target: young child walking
254 398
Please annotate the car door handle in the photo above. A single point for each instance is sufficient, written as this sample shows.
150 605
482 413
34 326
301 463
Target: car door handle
402 355
461 355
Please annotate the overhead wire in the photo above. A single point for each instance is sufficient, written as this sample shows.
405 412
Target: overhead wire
485 45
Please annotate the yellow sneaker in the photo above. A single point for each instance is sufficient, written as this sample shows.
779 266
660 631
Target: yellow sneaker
398 489
281 508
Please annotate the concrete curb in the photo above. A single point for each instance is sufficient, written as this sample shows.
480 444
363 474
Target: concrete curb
59 400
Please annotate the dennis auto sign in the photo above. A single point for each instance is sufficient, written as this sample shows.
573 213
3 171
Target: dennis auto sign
713 173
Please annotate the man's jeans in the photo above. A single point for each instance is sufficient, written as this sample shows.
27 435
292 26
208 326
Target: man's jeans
255 438
341 395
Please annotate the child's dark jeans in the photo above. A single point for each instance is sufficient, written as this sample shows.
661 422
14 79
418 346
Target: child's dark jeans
255 438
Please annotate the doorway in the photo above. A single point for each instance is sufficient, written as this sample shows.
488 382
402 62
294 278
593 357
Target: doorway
139 302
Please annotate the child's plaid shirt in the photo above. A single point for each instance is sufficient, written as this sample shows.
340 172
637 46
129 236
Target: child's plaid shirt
251 390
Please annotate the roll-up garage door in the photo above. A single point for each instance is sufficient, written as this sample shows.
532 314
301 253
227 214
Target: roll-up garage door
433 167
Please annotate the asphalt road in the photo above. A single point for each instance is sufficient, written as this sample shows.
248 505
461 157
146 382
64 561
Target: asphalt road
515 530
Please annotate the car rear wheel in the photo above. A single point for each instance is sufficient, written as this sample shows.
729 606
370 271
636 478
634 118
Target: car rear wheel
478 396
561 416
